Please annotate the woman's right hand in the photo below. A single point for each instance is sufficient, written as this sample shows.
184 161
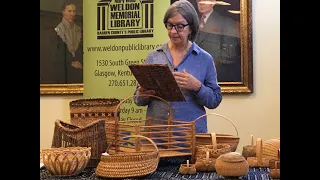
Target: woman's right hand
145 91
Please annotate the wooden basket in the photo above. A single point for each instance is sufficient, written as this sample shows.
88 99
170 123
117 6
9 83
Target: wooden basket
205 138
129 164
172 137
85 111
92 135
67 161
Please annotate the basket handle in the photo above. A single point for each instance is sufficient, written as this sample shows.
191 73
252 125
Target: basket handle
121 102
150 140
219 116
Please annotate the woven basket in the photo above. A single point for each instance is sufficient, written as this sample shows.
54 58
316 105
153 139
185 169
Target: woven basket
215 149
172 137
67 161
92 135
85 111
205 138
129 164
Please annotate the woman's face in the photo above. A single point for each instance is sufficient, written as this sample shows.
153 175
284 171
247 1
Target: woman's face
178 37
69 13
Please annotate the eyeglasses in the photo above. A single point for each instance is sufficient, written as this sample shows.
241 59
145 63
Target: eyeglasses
178 27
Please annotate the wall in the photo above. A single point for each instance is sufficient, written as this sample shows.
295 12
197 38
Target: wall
257 114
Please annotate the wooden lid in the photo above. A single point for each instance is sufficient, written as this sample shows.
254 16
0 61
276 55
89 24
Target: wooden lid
231 157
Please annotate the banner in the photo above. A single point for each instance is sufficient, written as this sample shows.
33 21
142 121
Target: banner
118 33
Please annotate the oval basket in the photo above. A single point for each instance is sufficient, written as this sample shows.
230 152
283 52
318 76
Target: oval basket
215 149
129 164
205 138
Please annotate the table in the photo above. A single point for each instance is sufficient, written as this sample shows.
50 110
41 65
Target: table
167 169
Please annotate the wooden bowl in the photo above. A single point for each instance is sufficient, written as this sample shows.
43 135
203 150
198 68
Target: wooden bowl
66 161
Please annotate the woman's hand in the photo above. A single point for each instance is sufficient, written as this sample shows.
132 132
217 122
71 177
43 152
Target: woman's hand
187 81
142 91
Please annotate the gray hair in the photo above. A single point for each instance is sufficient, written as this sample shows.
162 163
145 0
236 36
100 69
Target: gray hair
186 9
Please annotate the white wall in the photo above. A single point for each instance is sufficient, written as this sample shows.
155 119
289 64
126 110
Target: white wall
257 114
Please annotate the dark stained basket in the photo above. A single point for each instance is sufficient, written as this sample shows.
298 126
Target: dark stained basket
87 110
92 135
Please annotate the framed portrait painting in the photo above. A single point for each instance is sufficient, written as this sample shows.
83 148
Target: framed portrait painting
226 33
61 47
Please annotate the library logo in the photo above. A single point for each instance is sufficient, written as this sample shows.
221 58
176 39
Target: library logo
117 19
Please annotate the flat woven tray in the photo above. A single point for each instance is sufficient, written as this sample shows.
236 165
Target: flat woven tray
158 77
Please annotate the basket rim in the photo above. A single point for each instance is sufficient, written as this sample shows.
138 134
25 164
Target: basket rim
86 102
59 122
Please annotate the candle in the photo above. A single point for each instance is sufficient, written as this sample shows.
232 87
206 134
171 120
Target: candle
259 149
214 140
251 140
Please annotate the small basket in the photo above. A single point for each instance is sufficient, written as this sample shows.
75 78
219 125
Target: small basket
85 111
67 161
205 164
129 164
205 138
92 135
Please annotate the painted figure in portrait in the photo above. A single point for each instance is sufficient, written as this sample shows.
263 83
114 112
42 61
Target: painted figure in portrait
219 35
61 47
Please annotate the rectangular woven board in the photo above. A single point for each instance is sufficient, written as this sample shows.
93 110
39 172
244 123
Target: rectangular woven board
158 77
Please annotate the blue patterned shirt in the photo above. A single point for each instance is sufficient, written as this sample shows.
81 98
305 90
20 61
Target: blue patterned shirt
200 64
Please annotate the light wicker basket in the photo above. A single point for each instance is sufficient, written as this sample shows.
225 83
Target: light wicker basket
129 164
172 137
92 135
87 110
215 149
205 138
67 161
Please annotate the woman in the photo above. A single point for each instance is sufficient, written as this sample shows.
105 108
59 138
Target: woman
194 69
69 46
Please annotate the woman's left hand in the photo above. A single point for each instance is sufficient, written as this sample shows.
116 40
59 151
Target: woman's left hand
187 81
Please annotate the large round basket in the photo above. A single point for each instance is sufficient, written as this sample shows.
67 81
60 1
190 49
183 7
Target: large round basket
205 138
129 164
66 161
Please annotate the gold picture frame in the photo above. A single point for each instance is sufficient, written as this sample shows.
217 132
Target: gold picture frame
54 52
216 38
246 83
